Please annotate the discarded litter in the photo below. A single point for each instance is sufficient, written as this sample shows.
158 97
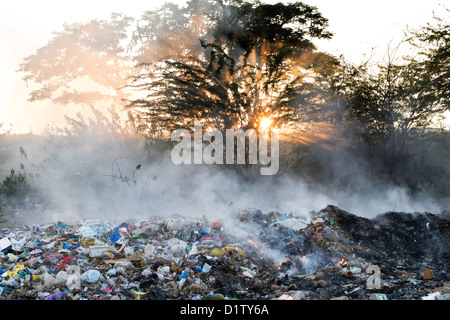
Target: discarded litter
432 296
4 243
95 228
378 296
254 255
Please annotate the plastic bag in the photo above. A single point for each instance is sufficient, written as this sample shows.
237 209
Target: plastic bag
91 276
62 277
49 281
149 249
97 251
56 296
74 279
95 228
177 246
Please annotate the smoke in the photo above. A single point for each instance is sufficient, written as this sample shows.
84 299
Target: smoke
350 178
111 177
96 177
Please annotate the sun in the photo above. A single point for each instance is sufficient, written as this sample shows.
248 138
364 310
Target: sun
265 123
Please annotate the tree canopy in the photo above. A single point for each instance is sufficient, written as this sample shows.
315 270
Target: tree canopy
242 62
233 63
92 51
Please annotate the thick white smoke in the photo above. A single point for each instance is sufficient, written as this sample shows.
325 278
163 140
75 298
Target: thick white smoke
96 177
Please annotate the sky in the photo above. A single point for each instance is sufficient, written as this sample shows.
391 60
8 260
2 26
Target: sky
360 28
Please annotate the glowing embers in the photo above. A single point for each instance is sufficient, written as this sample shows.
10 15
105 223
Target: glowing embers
281 260
342 263
258 247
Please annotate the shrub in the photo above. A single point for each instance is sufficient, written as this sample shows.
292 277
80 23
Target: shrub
15 185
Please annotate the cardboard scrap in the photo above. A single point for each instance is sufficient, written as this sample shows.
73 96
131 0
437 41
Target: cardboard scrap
129 258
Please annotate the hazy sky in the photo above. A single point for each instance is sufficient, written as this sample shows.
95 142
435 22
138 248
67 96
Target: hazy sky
26 25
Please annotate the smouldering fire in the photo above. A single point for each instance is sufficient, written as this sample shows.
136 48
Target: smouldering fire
342 263
252 243
257 246
281 263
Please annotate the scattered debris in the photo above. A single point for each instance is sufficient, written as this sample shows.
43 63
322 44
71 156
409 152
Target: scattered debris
333 255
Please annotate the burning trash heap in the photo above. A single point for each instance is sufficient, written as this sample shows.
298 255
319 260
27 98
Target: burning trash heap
332 254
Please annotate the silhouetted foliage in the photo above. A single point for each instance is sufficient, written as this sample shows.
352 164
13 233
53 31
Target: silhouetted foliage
250 62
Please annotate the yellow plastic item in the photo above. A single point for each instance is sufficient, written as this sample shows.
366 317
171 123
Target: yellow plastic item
219 252
14 273
88 242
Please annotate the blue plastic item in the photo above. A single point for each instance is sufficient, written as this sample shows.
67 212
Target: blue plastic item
183 275
115 236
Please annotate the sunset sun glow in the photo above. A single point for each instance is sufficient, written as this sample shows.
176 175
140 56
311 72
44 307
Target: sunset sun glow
265 123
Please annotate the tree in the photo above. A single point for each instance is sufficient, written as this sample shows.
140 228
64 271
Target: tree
82 64
171 32
400 98
433 42
252 61
227 63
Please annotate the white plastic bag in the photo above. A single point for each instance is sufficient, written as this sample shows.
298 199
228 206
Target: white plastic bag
91 276
95 228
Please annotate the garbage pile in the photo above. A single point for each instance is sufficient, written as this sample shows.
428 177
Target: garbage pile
331 254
